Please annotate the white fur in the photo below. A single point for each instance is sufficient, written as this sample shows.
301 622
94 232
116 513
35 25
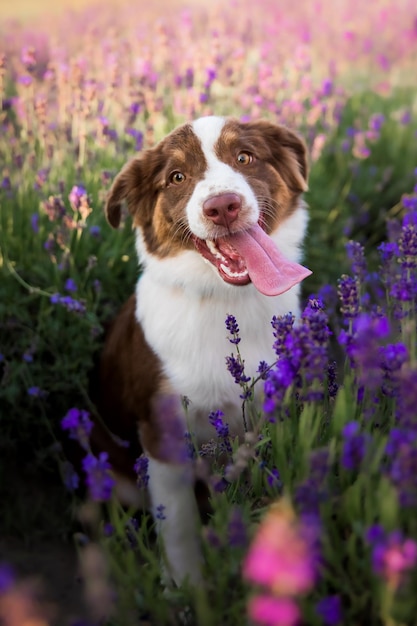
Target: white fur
219 178
182 304
171 488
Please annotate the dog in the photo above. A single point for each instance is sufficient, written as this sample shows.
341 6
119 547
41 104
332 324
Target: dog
219 223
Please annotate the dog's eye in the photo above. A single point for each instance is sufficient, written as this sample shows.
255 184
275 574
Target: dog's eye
176 178
244 158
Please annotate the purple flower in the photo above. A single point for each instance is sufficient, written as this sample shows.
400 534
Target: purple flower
79 425
222 430
279 379
69 303
407 397
95 231
70 285
392 556
376 121
330 610
282 327
233 328
236 530
363 348
137 136
354 446
348 293
167 411
99 480
34 222
76 195
160 512
5 183
274 478
356 256
141 469
36 392
108 529
314 490
70 476
402 469
28 58
7 577
237 369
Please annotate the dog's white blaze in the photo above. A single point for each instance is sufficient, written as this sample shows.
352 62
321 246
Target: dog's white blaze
219 178
172 498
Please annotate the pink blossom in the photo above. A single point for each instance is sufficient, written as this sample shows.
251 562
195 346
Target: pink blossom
270 611
280 556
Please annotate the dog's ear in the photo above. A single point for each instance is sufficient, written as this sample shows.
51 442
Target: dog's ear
288 153
297 149
136 184
120 190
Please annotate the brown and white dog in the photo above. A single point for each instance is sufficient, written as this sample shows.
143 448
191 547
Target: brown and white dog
219 224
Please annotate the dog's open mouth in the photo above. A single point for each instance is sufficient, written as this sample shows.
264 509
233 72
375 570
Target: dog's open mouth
251 256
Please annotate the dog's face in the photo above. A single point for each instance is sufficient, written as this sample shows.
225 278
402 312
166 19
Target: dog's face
217 188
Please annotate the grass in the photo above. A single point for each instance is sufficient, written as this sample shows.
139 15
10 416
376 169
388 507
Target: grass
74 110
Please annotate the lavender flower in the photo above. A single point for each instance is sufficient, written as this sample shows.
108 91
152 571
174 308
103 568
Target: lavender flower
354 446
69 303
314 490
233 329
282 327
222 430
7 577
79 425
141 469
76 196
99 480
70 285
237 369
236 529
330 610
356 256
70 477
302 355
393 556
402 468
160 512
37 392
348 292
34 222
167 411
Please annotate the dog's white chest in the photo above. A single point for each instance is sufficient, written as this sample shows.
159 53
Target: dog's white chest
189 336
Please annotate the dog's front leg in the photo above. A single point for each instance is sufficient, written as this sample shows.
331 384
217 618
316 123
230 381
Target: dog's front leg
175 511
171 486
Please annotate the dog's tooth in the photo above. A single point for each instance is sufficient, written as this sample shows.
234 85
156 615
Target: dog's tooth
213 249
227 271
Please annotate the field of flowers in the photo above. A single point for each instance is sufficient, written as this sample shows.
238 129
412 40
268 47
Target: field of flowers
314 516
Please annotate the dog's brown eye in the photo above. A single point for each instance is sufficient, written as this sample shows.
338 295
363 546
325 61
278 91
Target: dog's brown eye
176 178
244 158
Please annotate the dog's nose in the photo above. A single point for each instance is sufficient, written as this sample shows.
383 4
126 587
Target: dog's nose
222 209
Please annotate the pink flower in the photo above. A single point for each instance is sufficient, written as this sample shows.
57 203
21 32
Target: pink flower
280 556
393 559
270 611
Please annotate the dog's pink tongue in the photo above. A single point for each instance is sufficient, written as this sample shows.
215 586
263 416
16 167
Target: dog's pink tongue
269 270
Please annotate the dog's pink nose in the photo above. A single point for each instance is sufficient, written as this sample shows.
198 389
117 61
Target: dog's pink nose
222 209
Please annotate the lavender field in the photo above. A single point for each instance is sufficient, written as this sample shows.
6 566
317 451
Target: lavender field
315 515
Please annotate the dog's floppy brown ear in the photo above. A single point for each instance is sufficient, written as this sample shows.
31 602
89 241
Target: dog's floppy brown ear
122 188
296 146
137 185
288 153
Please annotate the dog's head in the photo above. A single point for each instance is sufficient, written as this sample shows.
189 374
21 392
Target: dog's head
220 189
